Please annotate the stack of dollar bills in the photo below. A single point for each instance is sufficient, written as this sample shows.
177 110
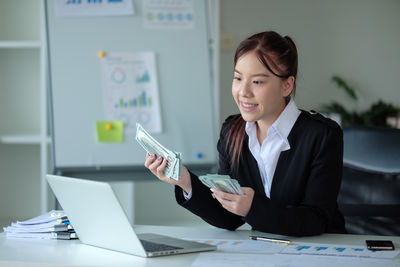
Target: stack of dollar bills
173 168
222 182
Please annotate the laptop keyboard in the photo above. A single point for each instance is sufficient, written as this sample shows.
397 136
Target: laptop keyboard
154 247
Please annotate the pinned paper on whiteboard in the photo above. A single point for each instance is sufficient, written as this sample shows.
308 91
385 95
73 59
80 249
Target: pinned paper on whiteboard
130 90
168 14
81 8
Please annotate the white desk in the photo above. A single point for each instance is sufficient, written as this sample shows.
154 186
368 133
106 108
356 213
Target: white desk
36 252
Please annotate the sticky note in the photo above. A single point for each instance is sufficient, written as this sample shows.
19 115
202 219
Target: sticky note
110 131
109 127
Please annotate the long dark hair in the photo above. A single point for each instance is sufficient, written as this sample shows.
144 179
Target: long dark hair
274 51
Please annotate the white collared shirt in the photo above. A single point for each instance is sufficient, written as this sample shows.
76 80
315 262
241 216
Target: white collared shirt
267 154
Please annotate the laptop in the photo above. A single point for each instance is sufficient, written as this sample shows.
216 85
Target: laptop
99 220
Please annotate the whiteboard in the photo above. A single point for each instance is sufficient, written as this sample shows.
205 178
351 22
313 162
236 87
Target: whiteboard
76 94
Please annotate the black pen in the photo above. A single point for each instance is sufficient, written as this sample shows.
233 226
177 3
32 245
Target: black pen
273 240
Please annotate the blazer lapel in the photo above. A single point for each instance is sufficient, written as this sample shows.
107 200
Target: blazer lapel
254 172
284 157
281 168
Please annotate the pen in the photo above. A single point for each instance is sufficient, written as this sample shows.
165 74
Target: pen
273 240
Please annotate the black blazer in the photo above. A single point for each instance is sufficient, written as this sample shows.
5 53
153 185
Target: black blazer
303 199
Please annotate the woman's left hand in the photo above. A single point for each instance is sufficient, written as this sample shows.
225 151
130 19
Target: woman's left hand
237 204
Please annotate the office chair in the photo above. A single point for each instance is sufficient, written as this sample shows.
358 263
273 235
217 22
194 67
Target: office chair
369 197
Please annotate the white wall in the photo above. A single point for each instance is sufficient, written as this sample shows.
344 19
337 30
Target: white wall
356 39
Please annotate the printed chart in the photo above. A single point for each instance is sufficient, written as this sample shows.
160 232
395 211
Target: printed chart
131 90
74 8
297 248
337 250
242 246
168 14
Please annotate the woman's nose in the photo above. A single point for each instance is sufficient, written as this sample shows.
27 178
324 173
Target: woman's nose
244 89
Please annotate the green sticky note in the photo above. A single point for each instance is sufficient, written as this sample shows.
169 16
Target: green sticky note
110 131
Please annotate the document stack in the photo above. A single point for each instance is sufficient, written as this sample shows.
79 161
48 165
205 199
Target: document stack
51 225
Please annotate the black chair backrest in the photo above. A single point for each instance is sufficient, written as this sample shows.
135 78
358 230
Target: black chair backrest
372 149
370 194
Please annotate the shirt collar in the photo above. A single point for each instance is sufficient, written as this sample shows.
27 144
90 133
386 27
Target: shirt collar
282 125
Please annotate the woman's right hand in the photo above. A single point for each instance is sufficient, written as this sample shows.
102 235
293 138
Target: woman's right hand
157 166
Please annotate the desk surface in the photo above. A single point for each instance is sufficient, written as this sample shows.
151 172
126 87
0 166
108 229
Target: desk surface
37 252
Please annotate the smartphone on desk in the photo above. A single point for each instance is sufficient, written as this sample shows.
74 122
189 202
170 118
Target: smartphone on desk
379 244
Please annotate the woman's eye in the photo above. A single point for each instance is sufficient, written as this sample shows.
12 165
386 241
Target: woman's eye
237 78
257 82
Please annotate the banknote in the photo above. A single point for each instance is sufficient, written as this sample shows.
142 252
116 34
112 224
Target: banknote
152 146
221 182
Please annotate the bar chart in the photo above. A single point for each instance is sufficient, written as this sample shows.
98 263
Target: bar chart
141 100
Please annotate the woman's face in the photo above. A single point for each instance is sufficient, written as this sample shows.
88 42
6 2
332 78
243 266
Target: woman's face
259 94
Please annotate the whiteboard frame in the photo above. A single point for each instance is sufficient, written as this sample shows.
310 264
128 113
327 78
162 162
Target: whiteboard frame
212 9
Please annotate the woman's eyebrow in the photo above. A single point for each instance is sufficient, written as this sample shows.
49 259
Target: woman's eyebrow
260 74
254 75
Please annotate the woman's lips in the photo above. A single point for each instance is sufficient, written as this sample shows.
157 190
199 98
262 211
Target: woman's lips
248 106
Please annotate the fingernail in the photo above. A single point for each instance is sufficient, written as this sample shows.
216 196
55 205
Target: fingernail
159 159
212 190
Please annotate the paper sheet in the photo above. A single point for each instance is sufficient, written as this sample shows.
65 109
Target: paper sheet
130 87
208 259
243 246
259 253
168 14
301 248
74 8
47 217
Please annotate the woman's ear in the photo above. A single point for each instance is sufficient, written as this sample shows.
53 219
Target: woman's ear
288 85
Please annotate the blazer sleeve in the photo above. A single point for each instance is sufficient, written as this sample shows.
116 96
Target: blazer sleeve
318 207
203 204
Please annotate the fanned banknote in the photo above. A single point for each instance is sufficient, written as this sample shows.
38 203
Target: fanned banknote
222 182
152 146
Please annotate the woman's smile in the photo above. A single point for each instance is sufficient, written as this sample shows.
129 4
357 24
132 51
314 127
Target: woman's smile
246 106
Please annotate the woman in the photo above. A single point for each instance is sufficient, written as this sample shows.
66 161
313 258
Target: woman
287 161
